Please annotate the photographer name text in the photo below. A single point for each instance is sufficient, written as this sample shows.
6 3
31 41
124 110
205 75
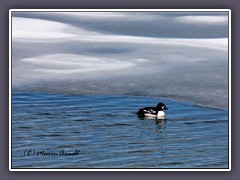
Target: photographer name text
63 153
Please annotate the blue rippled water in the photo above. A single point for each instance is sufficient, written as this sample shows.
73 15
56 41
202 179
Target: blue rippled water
108 134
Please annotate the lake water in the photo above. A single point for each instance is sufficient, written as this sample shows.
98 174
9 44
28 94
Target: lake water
106 133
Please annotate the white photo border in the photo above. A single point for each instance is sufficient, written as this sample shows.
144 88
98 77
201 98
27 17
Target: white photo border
119 10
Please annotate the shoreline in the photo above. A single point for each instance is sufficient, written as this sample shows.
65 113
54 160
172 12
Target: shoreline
172 98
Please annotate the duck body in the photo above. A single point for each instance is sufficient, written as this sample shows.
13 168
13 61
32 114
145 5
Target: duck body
153 111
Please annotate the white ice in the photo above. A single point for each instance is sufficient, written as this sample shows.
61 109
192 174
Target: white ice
177 55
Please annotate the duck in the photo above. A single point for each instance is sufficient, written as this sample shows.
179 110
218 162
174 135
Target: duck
153 111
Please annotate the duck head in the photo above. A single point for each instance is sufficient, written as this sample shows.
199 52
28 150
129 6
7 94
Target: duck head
161 106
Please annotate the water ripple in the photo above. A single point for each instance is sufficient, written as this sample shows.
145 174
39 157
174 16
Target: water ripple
108 134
